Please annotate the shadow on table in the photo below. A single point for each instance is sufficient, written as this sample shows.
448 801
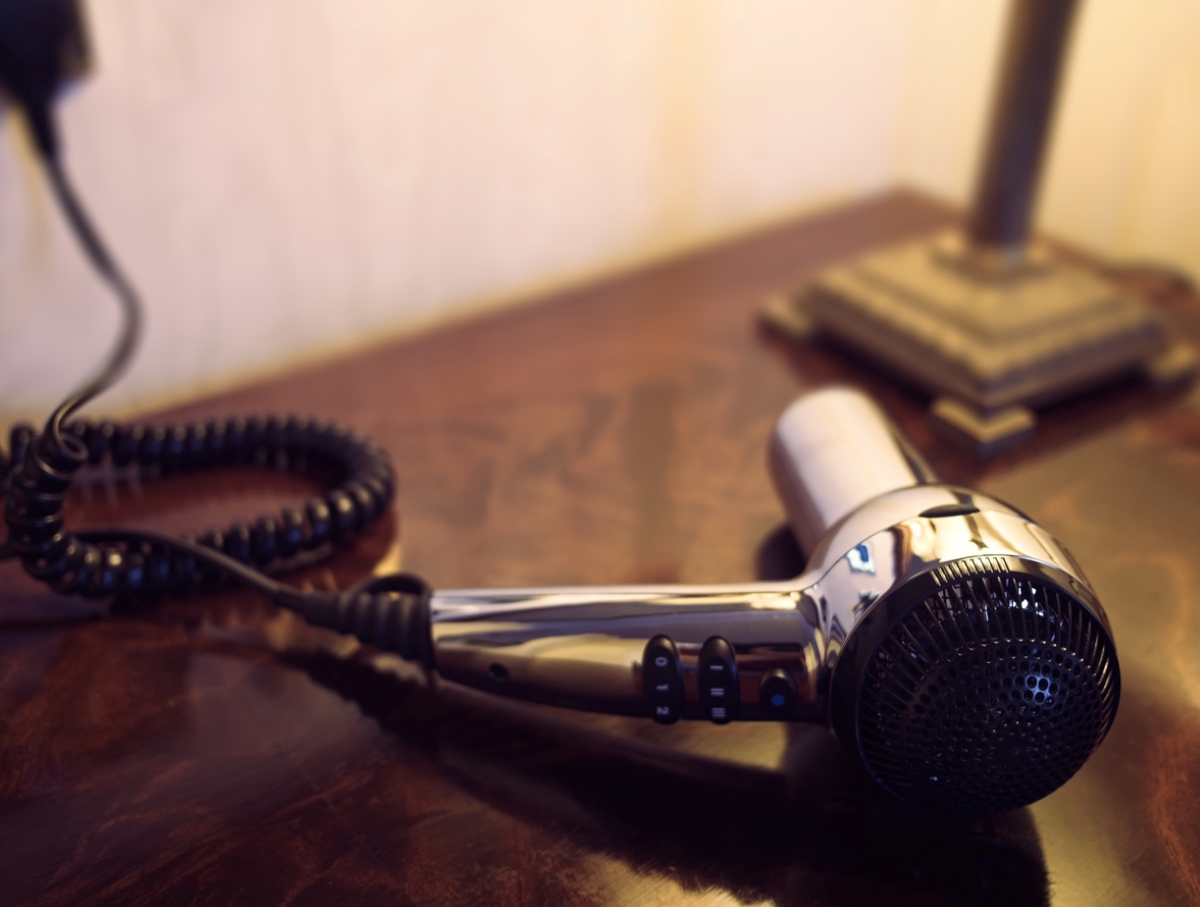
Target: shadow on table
816 831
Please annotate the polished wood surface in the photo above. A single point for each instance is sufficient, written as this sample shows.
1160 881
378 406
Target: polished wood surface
211 750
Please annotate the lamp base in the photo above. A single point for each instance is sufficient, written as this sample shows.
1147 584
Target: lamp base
990 336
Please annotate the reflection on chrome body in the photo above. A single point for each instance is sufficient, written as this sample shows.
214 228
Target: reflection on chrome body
582 647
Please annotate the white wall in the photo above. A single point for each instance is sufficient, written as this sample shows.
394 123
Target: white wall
1122 177
284 178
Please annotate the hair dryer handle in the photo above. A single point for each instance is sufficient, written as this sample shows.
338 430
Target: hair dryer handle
722 652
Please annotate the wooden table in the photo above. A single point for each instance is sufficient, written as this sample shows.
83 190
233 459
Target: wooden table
214 751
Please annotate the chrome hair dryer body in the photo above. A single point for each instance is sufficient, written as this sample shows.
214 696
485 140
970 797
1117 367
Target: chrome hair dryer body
954 646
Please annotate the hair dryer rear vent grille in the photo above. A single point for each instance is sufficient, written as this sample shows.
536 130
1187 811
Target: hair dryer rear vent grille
988 695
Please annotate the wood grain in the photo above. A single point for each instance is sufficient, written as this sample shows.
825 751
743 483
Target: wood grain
212 750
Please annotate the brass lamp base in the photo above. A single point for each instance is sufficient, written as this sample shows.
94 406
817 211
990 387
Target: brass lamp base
989 336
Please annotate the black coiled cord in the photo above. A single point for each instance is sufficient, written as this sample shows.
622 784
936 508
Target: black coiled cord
391 612
42 471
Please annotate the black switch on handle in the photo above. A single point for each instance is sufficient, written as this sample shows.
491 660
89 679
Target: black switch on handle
663 679
719 695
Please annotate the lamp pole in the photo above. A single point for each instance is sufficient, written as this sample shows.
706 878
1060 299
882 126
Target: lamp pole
1030 74
988 323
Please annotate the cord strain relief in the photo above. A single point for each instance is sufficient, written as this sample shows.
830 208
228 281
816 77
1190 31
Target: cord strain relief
390 613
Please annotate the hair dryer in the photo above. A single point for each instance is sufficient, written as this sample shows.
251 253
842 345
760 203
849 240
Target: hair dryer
954 646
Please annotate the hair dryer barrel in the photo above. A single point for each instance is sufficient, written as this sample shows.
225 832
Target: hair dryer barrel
832 451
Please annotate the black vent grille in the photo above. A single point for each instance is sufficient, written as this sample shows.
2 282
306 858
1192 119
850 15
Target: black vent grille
988 695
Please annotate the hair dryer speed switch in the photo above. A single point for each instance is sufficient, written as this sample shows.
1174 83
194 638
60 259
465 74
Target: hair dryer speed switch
664 680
